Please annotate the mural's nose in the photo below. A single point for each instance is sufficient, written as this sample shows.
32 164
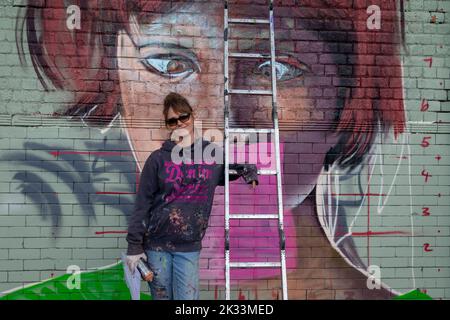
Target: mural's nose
248 110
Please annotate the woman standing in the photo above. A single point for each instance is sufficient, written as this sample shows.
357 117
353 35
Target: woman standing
173 206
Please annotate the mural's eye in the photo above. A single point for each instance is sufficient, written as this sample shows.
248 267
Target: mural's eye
285 71
170 66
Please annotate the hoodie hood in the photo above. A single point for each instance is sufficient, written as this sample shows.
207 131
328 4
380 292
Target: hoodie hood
168 145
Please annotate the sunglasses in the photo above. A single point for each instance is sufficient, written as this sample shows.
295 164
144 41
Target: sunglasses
184 117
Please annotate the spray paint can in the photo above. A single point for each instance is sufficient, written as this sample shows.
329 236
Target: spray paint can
144 270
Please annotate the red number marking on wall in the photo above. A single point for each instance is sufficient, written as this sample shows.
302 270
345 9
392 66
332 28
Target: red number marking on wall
424 106
425 212
426 174
426 247
425 142
429 60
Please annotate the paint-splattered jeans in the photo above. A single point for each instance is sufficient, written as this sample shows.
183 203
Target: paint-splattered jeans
175 275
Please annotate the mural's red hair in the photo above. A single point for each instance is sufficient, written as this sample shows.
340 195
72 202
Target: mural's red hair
375 102
84 61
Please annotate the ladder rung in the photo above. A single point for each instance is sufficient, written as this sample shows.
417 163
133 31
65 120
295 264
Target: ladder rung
263 172
255 264
267 172
260 92
249 21
249 55
250 130
253 216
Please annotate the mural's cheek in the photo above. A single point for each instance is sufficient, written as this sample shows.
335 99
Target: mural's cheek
308 106
306 150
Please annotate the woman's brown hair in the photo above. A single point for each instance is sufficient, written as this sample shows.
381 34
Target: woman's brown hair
177 102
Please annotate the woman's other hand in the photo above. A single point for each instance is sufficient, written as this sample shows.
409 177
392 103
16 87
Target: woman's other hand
132 261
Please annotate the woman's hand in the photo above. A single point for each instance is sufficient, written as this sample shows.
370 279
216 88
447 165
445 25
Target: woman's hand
132 261
254 184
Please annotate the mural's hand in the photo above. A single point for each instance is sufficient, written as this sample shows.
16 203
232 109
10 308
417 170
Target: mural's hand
132 261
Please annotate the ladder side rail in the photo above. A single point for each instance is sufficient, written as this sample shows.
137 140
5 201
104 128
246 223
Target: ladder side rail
277 152
226 151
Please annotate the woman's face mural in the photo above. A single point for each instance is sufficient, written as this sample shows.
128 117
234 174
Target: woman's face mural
183 51
334 96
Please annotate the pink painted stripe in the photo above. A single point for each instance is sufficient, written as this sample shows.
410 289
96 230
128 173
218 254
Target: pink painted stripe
359 194
112 192
379 233
110 232
104 153
375 233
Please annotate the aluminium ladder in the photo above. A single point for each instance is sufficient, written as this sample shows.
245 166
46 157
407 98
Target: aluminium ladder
274 131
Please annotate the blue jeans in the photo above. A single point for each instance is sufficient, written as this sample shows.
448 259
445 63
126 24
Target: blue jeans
175 275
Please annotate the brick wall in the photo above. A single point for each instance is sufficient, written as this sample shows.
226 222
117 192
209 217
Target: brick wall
363 124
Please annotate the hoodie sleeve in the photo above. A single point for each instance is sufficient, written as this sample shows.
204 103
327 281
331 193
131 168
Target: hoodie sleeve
148 187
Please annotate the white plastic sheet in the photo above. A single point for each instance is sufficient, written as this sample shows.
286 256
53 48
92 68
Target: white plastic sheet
133 280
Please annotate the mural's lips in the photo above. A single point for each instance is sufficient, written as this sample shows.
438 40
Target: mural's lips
250 240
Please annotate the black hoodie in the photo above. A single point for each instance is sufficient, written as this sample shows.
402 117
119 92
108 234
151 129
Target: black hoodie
174 201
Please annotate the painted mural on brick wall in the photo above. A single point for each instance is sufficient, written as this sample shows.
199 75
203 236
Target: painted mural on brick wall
363 188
